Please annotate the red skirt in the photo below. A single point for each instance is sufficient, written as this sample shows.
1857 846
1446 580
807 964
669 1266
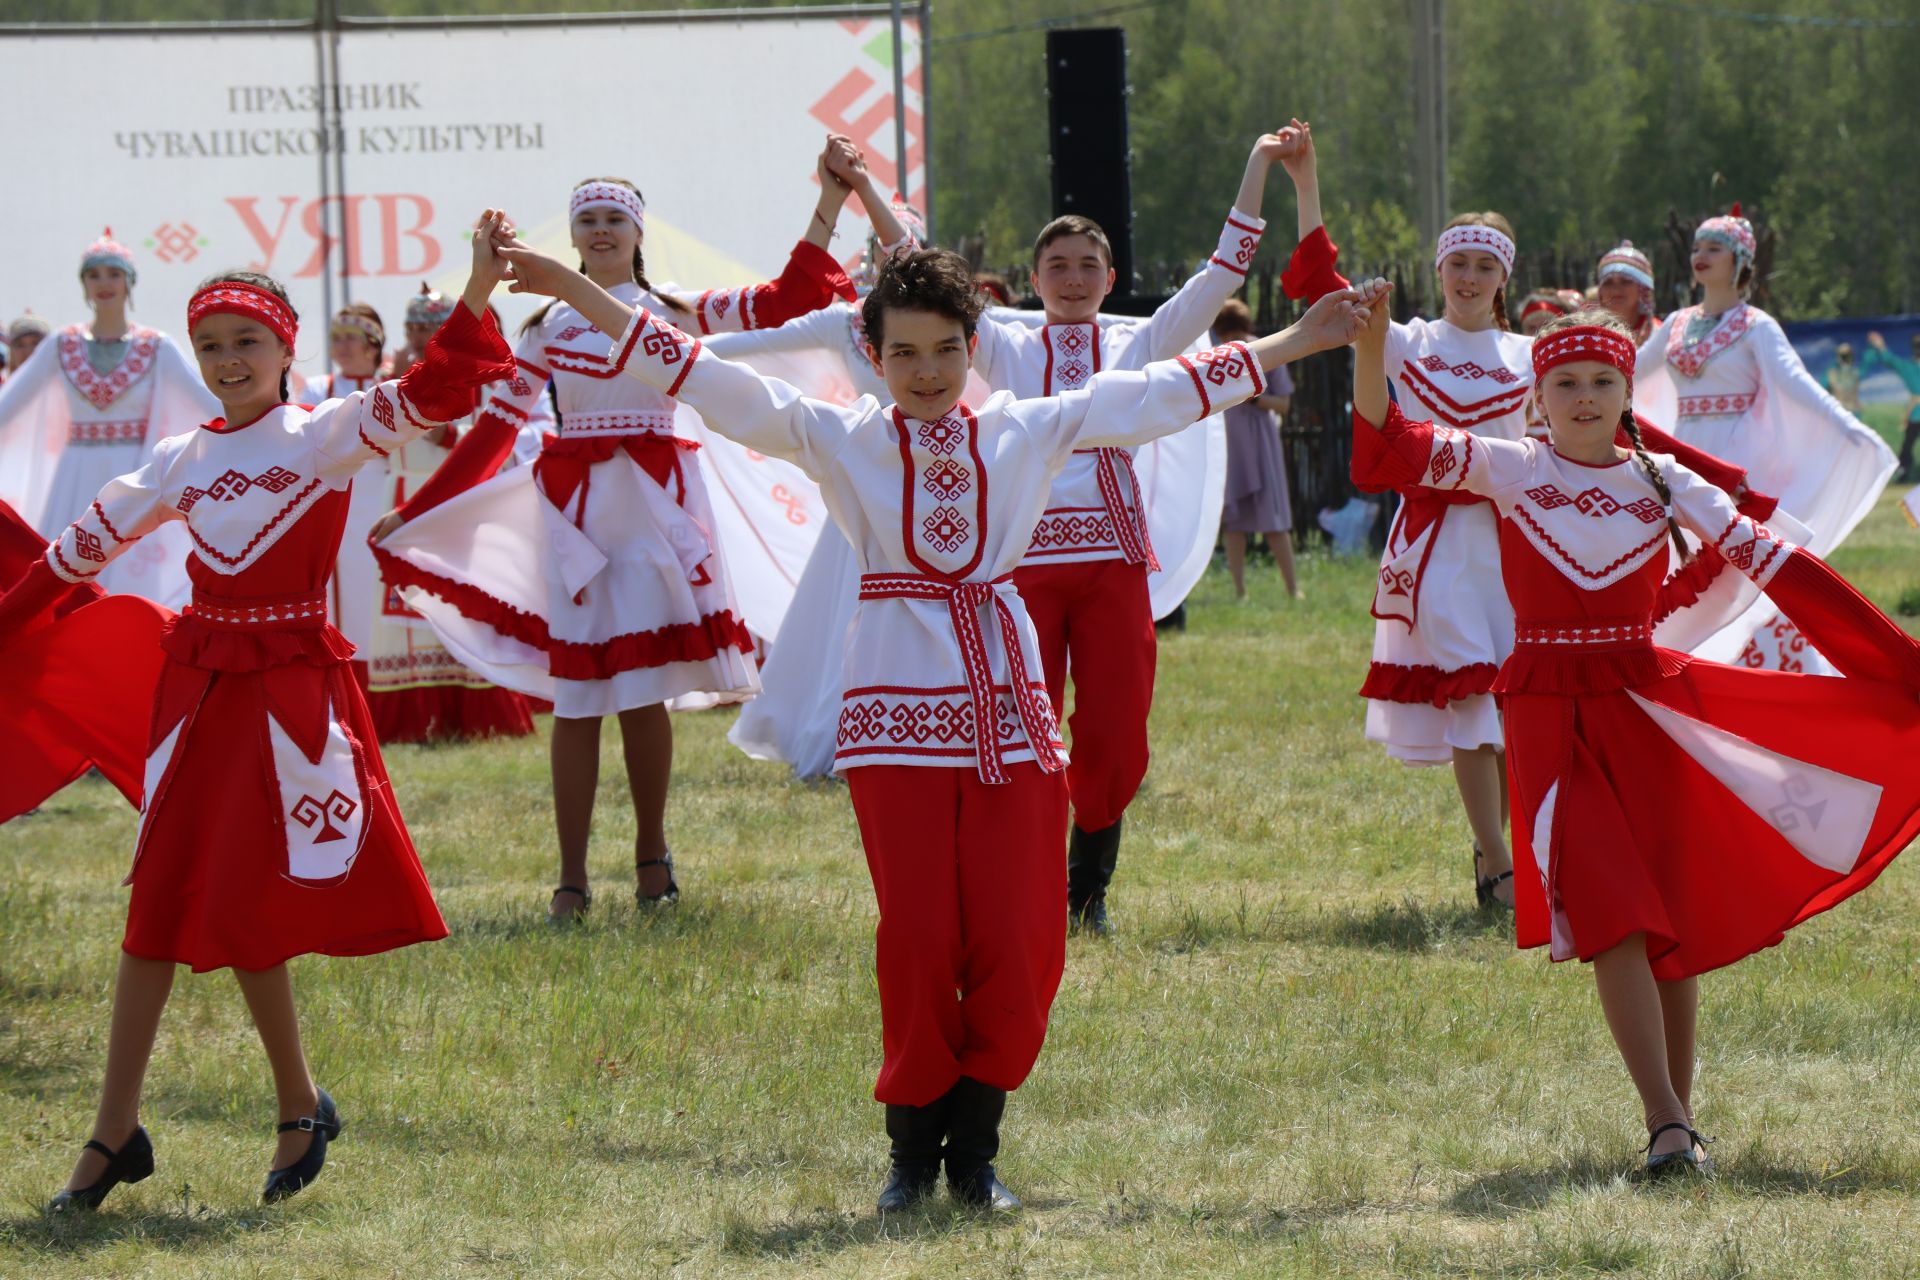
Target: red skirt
271 829
1712 809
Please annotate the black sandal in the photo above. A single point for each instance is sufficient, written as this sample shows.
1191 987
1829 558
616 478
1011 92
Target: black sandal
586 900
1669 1162
667 896
1483 886
325 1125
133 1162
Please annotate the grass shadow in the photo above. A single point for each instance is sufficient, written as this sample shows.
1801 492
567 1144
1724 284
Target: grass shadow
191 1228
1512 1191
1408 925
832 1231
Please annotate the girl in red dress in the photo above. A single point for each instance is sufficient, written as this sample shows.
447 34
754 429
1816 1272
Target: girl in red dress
1676 814
269 828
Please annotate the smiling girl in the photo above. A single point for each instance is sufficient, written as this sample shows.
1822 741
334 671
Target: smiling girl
592 579
1674 815
95 405
269 828
1723 374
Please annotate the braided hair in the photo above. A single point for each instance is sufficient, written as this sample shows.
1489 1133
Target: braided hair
1600 318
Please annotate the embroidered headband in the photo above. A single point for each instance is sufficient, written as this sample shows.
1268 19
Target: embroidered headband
1625 260
108 252
608 195
230 297
428 307
1583 342
349 323
1474 238
1549 300
1731 230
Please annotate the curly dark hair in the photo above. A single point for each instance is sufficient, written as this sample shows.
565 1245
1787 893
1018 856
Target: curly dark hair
936 280
258 281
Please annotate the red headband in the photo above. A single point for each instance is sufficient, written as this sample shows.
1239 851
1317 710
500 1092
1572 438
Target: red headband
1543 304
230 297
1583 342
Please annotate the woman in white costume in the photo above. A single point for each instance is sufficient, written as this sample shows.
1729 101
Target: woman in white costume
592 579
91 407
1722 376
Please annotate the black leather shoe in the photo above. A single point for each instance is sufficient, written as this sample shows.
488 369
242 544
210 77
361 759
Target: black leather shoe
668 895
1692 1158
918 1135
1091 858
131 1163
973 1140
325 1125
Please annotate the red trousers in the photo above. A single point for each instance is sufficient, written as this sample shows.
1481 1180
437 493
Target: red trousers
972 938
1095 623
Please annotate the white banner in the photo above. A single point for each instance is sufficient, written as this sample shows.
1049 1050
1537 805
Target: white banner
212 160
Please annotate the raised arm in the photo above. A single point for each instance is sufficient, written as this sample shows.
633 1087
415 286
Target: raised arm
816 331
849 164
479 454
1312 270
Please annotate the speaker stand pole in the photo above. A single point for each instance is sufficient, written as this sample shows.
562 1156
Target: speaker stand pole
900 96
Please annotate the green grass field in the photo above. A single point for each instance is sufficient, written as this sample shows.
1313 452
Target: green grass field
1305 1054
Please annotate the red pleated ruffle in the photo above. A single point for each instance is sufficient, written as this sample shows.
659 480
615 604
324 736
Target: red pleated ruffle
1571 673
194 643
1392 682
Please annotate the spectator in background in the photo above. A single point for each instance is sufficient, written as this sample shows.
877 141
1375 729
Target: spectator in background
994 285
23 335
1877 357
1624 286
1543 305
1842 378
1256 496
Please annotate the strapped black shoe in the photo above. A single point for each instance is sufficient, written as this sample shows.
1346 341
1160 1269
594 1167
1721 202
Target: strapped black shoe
325 1125
1692 1158
973 1140
133 1162
1483 886
586 900
666 896
1091 858
918 1135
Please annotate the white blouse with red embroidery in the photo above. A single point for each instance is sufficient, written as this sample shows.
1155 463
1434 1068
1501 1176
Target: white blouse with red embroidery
939 514
1598 524
1095 511
1476 382
240 491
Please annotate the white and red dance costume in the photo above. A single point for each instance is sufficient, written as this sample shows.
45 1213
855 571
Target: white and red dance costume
269 827
86 411
1443 624
1735 387
1710 807
1085 575
591 579
947 739
62 710
1628 263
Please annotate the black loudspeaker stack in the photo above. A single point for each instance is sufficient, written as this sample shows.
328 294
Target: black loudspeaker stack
1087 136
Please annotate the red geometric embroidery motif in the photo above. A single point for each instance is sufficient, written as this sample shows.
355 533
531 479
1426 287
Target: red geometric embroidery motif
663 342
1690 360
103 390
946 529
1646 510
1548 497
230 486
1469 370
1597 503
306 811
1398 583
1071 375
1072 340
1715 406
87 546
1443 463
519 386
1223 365
573 331
382 410
947 480
940 437
1094 532
943 721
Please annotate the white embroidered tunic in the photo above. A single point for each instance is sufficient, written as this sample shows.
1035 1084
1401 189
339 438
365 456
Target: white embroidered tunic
939 514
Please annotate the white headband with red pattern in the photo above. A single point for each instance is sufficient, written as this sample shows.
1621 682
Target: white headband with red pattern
1473 238
608 195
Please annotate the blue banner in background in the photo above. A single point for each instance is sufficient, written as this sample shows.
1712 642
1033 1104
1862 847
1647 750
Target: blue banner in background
1816 341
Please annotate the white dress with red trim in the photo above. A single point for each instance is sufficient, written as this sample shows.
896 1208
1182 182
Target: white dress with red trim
1444 626
1709 807
352 594
66 429
591 579
940 666
1741 392
269 827
1159 507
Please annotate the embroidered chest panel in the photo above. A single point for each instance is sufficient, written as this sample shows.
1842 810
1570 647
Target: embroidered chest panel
240 496
1463 392
102 389
1594 530
1073 356
1689 358
944 499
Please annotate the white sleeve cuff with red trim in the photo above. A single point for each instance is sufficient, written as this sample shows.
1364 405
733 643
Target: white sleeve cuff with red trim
1224 376
655 352
1239 241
